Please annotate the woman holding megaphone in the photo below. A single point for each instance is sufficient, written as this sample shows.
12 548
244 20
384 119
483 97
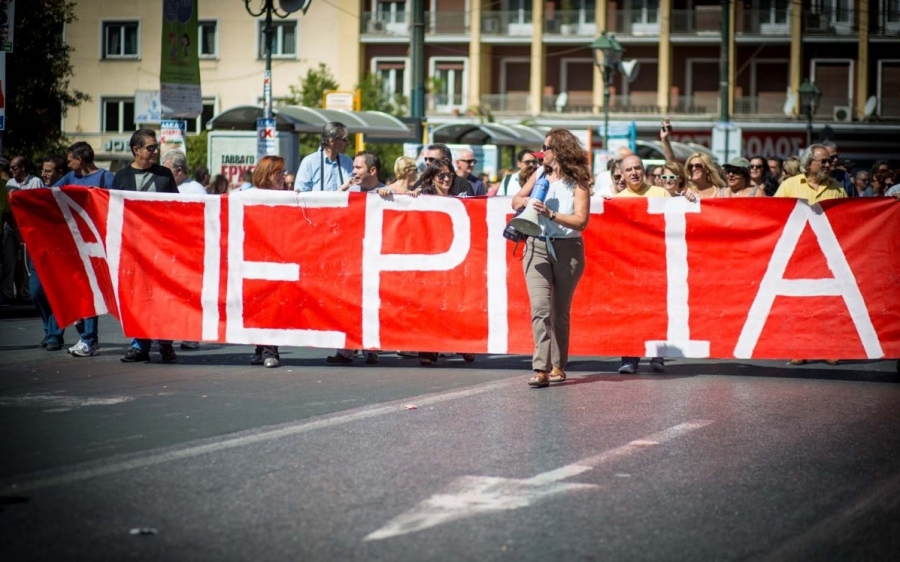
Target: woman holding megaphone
559 194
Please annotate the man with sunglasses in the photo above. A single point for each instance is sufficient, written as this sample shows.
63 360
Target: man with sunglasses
510 185
145 174
465 166
839 174
814 183
328 168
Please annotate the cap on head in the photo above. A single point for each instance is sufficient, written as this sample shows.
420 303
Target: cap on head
739 162
538 155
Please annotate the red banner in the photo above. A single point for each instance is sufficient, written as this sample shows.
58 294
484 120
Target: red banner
745 278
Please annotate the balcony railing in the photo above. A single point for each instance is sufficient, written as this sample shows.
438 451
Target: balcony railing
637 22
702 19
886 24
516 23
764 105
445 103
513 102
397 24
572 23
764 22
830 22
636 103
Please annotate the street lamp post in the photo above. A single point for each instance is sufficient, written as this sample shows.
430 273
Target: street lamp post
607 54
268 8
809 100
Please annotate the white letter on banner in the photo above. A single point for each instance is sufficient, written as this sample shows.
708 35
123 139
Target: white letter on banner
209 293
497 293
86 250
678 341
374 262
238 269
773 284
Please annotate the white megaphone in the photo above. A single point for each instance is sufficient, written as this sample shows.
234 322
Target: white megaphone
527 221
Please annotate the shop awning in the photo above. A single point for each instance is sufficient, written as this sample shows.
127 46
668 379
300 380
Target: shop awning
310 120
488 133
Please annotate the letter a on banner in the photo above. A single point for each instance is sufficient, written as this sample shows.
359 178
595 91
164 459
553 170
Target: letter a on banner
843 284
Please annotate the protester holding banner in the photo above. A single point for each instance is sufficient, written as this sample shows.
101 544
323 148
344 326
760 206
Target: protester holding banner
703 176
633 171
738 179
673 179
268 174
814 184
327 168
145 174
554 261
761 175
440 179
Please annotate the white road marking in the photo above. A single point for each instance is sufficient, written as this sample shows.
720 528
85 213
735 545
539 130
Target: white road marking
60 402
115 465
473 495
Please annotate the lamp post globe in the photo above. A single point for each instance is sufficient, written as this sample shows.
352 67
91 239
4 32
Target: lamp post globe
810 94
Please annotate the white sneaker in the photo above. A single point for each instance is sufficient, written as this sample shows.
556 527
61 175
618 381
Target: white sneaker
271 362
83 349
628 369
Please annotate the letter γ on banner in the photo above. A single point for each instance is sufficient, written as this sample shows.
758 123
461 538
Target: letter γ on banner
773 284
374 262
239 269
86 250
678 342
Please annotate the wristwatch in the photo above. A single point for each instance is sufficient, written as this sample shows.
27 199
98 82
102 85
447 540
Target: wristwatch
552 216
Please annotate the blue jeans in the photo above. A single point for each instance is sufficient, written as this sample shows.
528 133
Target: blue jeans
52 332
87 330
144 345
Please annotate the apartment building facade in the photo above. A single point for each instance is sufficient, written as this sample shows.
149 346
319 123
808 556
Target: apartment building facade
527 61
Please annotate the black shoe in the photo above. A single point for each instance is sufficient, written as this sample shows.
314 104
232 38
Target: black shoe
371 358
338 359
257 360
167 352
53 346
135 355
44 342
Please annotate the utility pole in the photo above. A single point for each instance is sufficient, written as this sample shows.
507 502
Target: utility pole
417 60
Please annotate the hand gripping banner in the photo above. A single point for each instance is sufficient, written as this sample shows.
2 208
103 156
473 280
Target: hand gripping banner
736 278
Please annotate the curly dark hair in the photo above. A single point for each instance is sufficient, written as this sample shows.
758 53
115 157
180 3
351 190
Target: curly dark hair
569 156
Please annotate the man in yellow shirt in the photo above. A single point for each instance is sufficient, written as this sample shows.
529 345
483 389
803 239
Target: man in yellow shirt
815 183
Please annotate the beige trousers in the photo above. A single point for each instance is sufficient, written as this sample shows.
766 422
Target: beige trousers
551 287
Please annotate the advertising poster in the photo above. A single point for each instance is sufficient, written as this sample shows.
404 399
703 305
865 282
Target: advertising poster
172 134
179 72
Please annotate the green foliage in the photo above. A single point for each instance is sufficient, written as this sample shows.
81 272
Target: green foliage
309 94
39 73
374 97
196 151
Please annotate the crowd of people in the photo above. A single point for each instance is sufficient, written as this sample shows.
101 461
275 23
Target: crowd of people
553 261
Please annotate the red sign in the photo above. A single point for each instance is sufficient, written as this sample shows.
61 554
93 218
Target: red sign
770 278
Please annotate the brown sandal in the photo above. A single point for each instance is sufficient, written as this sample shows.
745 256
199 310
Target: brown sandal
557 375
539 380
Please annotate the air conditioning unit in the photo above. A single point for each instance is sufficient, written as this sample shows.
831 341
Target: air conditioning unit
375 26
843 113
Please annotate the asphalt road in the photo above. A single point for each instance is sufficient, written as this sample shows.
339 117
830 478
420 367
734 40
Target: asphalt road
212 459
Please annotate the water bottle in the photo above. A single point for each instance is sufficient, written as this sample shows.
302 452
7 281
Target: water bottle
539 192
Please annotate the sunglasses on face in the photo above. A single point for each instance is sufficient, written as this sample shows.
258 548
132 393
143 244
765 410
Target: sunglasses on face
617 177
696 166
429 159
469 162
756 166
732 173
824 161
545 148
530 161
666 177
655 175
443 176
151 147
834 157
